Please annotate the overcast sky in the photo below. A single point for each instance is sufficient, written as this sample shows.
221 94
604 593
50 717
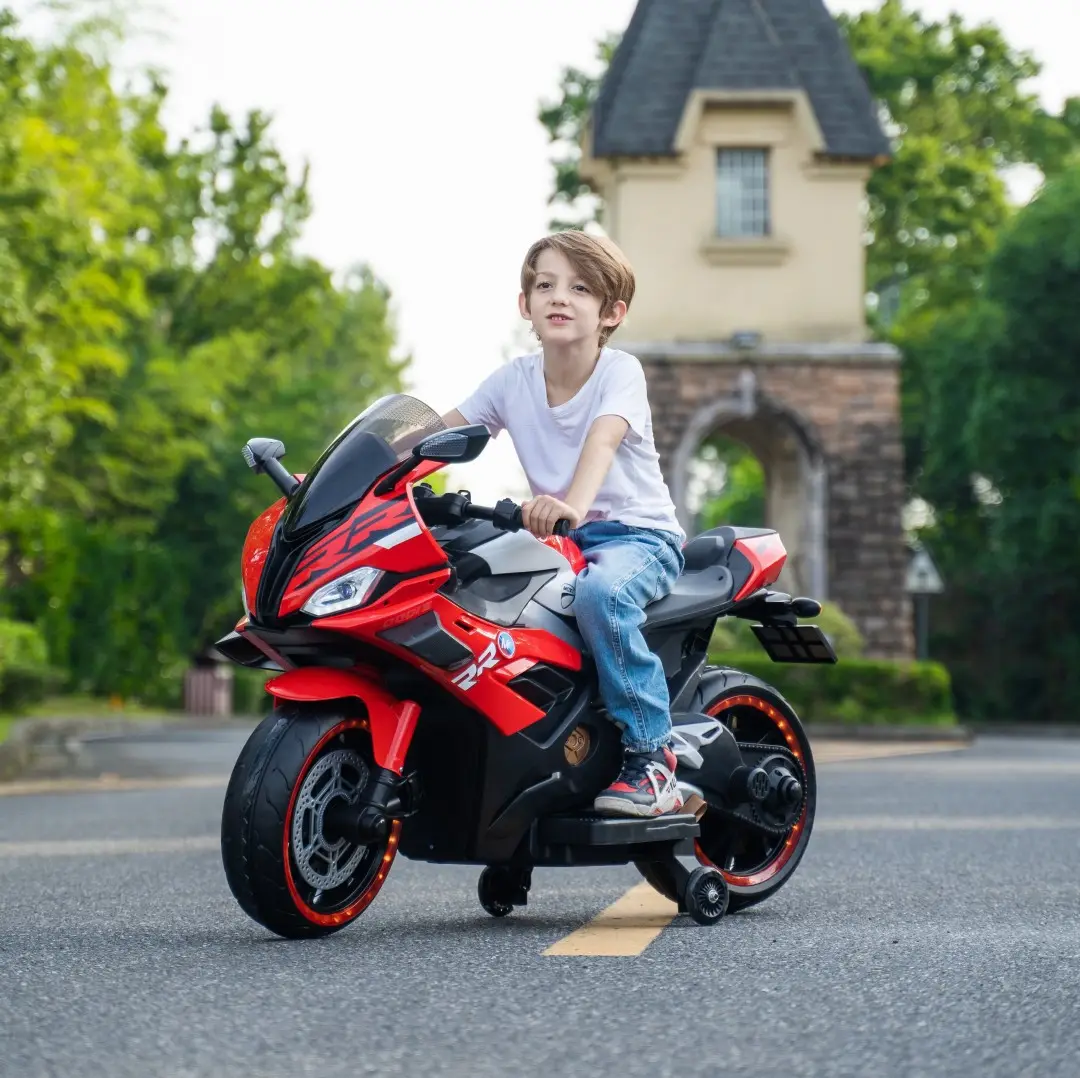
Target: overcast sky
418 120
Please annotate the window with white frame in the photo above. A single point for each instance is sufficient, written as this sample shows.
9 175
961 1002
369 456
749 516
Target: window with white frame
742 193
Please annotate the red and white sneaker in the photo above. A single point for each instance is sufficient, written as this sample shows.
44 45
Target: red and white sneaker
646 786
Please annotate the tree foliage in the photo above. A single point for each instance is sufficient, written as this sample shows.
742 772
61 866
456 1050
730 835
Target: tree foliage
154 313
1003 468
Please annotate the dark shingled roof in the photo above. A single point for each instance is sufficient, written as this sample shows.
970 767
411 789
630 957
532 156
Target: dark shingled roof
673 47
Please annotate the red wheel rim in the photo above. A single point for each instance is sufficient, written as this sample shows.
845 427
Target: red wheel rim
364 899
792 841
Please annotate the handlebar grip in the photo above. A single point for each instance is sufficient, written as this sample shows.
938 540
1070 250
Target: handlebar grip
562 527
507 514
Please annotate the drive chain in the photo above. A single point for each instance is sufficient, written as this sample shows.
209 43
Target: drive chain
748 814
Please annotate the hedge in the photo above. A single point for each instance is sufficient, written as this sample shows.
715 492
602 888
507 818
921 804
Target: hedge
25 675
857 691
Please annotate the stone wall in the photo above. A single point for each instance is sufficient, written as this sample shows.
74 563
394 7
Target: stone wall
852 409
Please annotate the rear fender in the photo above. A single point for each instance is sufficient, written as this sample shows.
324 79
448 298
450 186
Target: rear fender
391 721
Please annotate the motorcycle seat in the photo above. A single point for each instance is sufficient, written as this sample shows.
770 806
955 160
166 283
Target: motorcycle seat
706 582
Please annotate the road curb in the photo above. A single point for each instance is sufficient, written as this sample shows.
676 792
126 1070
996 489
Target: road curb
54 746
838 731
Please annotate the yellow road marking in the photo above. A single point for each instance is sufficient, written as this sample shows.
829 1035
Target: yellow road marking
626 927
110 784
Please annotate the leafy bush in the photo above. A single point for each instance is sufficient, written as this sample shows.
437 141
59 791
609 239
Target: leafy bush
858 691
735 634
25 674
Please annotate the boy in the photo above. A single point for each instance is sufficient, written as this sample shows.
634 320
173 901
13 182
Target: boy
578 414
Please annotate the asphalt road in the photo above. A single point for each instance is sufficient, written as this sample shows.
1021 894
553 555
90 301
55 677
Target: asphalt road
933 929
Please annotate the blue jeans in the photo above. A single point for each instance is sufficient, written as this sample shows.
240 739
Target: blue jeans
627 569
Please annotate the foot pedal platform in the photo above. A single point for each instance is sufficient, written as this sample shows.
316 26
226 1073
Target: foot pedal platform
591 829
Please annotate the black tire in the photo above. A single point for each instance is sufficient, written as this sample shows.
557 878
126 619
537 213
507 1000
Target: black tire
257 848
719 685
492 891
661 880
707 896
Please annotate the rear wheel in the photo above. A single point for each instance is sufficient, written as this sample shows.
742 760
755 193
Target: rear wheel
754 865
286 866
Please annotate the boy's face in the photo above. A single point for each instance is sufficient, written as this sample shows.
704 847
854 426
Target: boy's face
562 307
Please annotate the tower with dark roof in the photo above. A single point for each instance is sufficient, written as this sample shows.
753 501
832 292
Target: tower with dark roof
730 143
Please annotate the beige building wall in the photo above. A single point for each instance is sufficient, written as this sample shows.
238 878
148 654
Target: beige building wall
804 283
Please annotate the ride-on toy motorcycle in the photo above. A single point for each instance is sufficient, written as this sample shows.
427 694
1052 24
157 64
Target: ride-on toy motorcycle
437 701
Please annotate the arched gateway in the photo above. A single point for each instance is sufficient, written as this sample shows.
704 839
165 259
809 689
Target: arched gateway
731 143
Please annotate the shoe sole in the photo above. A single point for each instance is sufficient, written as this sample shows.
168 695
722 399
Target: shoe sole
617 806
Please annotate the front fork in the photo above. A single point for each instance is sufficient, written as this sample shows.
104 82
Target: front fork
389 794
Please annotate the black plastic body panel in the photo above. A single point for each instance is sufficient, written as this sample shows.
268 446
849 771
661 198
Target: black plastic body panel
425 637
589 829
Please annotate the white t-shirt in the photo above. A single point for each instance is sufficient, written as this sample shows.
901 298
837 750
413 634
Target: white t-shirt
549 441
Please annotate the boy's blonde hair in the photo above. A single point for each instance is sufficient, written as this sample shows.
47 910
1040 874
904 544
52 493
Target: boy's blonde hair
602 266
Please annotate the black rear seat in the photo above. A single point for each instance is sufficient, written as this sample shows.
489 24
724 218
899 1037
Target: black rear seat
706 582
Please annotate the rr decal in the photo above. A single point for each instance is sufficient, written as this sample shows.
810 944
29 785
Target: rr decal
469 676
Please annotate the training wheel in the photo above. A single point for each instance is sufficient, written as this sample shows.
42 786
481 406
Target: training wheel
500 889
706 896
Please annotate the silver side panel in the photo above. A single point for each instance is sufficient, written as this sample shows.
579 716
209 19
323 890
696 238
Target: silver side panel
558 593
688 740
535 616
519 552
507 612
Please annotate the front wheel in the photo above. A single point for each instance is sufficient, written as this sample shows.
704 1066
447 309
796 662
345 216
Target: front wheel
754 865
284 864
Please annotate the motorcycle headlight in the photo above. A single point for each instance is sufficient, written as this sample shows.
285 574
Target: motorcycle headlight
346 592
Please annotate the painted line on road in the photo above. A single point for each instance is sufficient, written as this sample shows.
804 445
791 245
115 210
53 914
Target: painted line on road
971 767
624 929
947 823
111 784
106 847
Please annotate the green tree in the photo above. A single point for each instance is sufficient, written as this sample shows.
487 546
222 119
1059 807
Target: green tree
565 119
1024 433
154 314
1002 470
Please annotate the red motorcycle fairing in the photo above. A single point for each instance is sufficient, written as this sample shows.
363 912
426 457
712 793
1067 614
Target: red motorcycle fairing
390 721
256 547
494 655
766 555
568 549
384 532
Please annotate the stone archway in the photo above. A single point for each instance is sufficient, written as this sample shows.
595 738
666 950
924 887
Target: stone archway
792 457
824 421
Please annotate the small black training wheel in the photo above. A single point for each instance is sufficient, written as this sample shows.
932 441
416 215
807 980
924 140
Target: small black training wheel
500 889
706 896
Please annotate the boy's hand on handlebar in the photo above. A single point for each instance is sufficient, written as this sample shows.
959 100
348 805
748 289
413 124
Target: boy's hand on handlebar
540 515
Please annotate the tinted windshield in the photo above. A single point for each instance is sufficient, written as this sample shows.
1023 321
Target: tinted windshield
376 440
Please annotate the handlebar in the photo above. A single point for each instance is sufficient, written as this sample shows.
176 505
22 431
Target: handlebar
453 508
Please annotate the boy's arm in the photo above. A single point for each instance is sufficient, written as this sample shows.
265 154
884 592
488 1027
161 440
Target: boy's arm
596 456
540 514
455 419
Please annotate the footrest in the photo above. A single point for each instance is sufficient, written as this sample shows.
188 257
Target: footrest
590 829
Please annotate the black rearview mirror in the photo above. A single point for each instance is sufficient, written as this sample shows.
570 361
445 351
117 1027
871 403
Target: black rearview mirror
456 445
